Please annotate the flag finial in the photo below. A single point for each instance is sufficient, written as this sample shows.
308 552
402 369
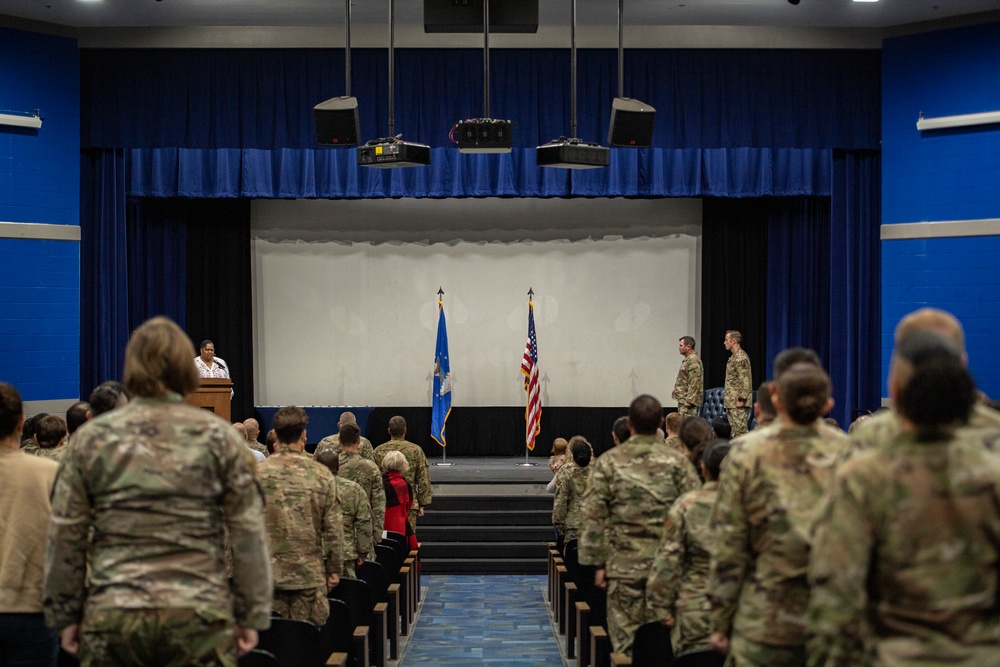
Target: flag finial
531 293
440 293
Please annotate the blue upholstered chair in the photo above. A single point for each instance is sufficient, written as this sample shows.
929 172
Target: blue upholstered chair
712 407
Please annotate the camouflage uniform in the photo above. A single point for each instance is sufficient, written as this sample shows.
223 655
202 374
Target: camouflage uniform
738 386
690 385
678 580
258 446
366 474
571 482
333 442
768 496
884 426
630 490
418 475
905 573
29 446
54 453
674 444
357 523
305 532
138 511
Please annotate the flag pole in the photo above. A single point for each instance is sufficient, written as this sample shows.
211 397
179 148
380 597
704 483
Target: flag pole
533 348
444 450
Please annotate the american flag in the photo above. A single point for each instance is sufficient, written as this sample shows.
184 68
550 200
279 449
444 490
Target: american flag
529 366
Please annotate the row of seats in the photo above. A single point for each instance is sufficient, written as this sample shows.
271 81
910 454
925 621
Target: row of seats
579 610
368 615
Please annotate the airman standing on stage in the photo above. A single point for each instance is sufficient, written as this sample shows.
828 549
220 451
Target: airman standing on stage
689 389
738 388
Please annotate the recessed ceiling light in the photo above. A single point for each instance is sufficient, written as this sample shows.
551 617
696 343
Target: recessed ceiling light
865 0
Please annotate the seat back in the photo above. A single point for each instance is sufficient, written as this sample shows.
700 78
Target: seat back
292 642
701 659
712 407
572 561
652 646
336 635
389 559
258 658
399 542
358 597
374 575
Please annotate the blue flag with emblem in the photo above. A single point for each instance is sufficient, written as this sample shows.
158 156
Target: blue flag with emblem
442 382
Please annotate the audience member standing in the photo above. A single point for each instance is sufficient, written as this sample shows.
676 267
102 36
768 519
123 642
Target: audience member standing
357 512
51 436
108 396
332 442
365 474
885 424
305 525
631 488
135 569
28 443
566 516
556 461
689 388
418 473
253 432
905 571
768 496
398 497
738 389
25 486
77 415
678 580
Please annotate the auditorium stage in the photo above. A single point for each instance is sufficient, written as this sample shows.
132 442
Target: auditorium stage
493 475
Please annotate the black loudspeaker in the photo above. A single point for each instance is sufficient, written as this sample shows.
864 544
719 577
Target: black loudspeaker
631 123
337 122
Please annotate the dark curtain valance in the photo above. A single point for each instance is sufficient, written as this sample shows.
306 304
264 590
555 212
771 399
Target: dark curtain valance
263 98
333 173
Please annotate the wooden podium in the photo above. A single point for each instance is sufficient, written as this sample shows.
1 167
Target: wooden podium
213 395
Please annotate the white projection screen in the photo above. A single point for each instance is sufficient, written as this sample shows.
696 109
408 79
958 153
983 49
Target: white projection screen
345 298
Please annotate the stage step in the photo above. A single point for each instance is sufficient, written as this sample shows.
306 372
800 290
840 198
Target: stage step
485 534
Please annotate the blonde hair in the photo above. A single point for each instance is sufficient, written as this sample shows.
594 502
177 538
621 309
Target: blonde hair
395 461
559 446
159 358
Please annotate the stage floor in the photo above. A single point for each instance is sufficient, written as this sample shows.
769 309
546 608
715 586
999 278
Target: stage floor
479 475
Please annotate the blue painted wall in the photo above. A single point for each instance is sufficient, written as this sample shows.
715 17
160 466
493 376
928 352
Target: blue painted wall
40 183
940 176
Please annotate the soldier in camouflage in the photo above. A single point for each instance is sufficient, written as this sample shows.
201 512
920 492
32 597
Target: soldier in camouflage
677 589
365 474
738 388
253 432
905 571
305 525
50 432
418 474
885 425
630 490
333 441
571 484
357 516
768 495
134 571
689 388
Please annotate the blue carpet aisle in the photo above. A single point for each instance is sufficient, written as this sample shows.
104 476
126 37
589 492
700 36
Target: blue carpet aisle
495 620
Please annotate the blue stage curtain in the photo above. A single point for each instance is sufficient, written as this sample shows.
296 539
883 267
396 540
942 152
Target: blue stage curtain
157 260
856 284
824 280
263 98
333 173
104 299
